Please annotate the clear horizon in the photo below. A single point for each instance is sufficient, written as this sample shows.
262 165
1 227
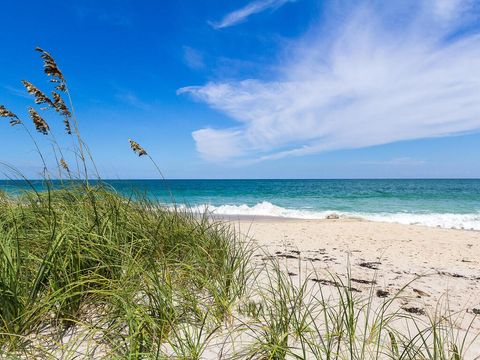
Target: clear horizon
226 179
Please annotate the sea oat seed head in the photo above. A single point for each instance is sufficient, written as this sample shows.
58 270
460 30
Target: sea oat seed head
137 149
51 69
40 97
39 122
64 165
68 128
14 120
4 112
60 107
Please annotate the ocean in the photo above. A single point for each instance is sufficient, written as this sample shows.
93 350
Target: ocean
447 203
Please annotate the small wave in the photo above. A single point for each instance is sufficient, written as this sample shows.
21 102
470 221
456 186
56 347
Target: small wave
262 209
265 208
447 221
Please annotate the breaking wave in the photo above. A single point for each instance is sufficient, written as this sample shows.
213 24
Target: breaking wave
456 221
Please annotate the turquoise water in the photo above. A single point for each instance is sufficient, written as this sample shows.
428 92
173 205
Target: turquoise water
445 202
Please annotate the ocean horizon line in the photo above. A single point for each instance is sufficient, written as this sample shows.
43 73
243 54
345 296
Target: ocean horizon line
246 179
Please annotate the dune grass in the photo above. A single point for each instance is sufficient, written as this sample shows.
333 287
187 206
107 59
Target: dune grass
130 271
89 273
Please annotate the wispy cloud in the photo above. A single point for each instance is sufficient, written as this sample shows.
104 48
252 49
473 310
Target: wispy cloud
17 91
193 58
361 80
240 15
131 99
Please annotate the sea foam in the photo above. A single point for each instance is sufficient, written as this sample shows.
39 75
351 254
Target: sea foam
265 208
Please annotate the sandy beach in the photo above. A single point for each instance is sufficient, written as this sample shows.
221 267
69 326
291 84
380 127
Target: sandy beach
443 265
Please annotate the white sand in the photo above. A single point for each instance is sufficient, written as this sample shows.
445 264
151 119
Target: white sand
447 261
444 263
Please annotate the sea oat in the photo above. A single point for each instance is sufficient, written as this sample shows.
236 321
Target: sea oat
39 122
64 165
137 149
14 120
51 69
60 106
40 97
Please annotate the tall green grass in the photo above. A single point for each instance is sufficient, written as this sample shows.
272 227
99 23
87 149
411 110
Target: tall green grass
130 271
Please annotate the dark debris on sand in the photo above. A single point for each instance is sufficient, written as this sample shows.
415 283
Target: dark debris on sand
287 256
370 265
414 310
361 281
420 293
382 293
334 283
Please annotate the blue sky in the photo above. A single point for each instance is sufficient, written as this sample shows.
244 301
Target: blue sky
255 89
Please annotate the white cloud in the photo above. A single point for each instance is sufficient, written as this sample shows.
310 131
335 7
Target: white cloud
240 15
218 145
360 82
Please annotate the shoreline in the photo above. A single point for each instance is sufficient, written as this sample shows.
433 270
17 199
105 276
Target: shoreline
281 219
